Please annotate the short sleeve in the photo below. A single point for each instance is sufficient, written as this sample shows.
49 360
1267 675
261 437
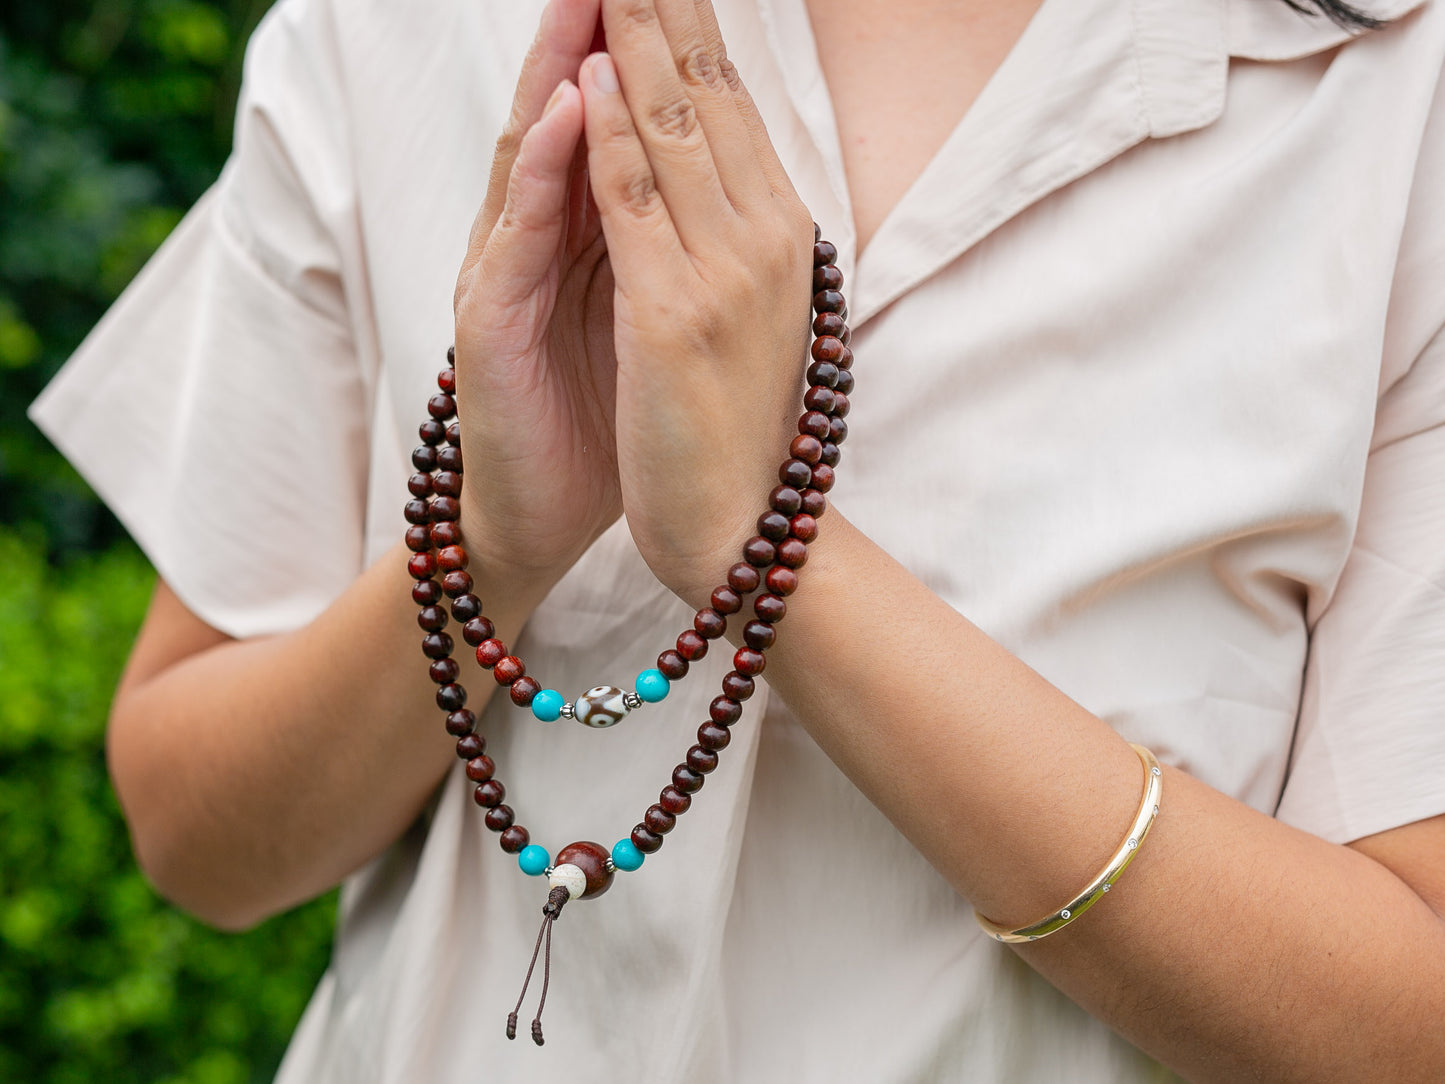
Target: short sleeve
1369 752
219 408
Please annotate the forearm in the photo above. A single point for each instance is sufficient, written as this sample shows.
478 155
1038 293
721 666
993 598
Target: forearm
255 774
1234 948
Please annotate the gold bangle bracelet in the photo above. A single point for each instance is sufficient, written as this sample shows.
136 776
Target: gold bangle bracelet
1143 820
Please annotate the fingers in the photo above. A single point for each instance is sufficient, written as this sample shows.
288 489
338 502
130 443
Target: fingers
641 240
563 39
666 115
521 248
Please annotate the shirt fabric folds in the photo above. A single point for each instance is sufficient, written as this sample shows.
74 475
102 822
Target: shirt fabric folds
1151 386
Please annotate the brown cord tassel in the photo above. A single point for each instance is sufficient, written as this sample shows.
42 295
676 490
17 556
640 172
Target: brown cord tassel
550 911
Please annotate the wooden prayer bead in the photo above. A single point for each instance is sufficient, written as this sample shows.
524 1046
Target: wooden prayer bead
658 820
814 503
420 485
781 580
709 624
824 374
451 697
477 630
445 508
515 838
714 737
770 608
441 407
820 398
448 483
803 527
773 526
508 669
749 661
499 818
524 690
432 618
491 652
786 500
795 473
759 636
742 578
418 538
490 793
447 380
480 769
432 432
591 859
672 665
424 458
457 583
701 760
724 710
444 671
674 801
690 646
426 593
470 745
645 841
449 458
736 685
792 553
466 608
417 512
757 551
726 601
422 566
461 723
687 780
813 422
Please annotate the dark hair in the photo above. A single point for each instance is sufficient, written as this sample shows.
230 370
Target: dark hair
1341 14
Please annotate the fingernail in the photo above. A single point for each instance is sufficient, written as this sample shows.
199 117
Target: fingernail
604 74
556 97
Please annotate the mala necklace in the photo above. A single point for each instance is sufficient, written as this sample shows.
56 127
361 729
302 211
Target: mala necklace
771 560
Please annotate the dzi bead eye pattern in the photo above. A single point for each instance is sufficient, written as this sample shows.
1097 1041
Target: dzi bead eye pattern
771 563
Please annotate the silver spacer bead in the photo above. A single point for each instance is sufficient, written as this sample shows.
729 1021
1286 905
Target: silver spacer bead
610 867
632 700
568 711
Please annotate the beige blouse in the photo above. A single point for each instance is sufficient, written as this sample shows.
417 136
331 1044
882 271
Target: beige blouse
1150 386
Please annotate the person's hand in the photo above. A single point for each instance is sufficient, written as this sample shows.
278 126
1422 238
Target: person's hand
712 254
534 355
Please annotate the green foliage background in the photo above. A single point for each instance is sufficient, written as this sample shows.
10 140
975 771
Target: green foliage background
114 117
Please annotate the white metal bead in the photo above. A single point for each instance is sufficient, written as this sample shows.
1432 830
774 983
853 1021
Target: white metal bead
632 700
568 711
569 877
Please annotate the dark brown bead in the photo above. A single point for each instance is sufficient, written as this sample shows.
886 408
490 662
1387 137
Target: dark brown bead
726 601
794 473
420 485
845 380
432 432
759 552
828 348
672 665
418 538
814 503
759 635
523 690
723 710
769 608
645 841
465 608
446 533
444 671
714 737
818 397
736 685
449 458
829 301
417 512
461 723
478 629
456 584
424 458
470 745
426 593
773 526
803 527
743 579
454 434
674 801
448 483
687 780
451 559
792 553
824 253
691 646
827 277
782 580
701 760
823 478
490 793
825 374
840 405
658 820
491 652
441 406
592 860
709 624
422 566
837 430
437 645
786 499
445 509
451 697
480 769
500 818
814 423
830 323
845 337
447 380
452 350
749 661
508 669
515 838
432 618
807 448
831 454
817 233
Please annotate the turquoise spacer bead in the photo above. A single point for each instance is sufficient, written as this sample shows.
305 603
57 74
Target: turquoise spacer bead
652 686
547 705
625 854
534 860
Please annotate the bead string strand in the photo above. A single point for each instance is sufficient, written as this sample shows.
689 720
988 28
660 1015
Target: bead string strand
770 563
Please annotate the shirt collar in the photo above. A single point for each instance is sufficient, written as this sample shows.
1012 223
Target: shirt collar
1260 30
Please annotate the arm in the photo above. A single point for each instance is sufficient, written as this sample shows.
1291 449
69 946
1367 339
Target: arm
257 773
1235 947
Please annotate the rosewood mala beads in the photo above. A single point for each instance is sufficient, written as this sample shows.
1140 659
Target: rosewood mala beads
768 572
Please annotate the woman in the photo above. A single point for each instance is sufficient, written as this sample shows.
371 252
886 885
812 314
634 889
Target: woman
1136 291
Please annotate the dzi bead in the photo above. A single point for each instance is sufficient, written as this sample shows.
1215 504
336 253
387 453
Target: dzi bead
602 706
